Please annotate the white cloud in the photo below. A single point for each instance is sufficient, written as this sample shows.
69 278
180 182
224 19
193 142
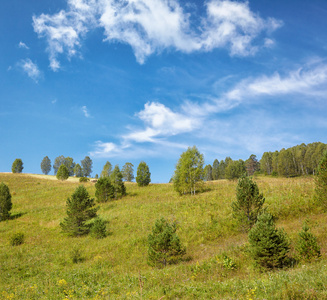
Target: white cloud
85 112
23 45
105 149
30 68
150 26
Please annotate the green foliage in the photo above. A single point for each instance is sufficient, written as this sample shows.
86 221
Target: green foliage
215 170
189 171
84 179
235 169
248 204
76 255
228 263
17 166
78 170
321 182
269 246
5 202
252 165
17 239
62 173
128 172
107 169
86 164
98 229
116 179
46 165
164 245
104 190
80 209
143 175
67 161
208 173
307 246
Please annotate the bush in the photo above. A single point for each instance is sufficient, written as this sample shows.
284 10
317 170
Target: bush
307 246
76 255
84 179
164 245
17 239
5 202
99 229
268 245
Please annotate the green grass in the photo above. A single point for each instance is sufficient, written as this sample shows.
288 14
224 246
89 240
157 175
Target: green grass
115 267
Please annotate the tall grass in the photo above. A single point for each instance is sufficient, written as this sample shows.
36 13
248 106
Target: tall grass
115 267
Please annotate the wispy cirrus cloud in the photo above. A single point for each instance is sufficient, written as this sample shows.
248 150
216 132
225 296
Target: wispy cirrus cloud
160 123
85 112
150 26
23 45
30 68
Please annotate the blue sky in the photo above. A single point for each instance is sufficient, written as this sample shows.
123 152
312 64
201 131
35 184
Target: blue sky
134 80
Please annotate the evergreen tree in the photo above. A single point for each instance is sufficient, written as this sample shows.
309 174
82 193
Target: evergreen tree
143 175
248 204
46 165
215 170
5 202
307 245
116 179
86 164
269 246
321 182
107 169
128 172
189 171
104 190
78 170
252 165
17 166
80 209
70 164
98 229
62 173
164 245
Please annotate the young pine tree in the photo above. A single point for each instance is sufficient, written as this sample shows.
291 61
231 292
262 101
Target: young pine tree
164 245
143 175
104 190
116 179
307 246
80 209
62 173
248 204
269 246
5 202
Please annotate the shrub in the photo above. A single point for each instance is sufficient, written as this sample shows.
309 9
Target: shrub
84 179
307 246
104 190
17 239
76 255
5 202
164 244
99 229
268 245
80 209
248 203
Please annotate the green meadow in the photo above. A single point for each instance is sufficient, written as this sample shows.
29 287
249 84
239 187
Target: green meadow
216 266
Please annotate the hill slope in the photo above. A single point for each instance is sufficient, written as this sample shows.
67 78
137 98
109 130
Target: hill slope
116 267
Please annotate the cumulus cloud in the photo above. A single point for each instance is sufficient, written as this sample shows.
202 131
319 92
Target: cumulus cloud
160 124
150 26
30 68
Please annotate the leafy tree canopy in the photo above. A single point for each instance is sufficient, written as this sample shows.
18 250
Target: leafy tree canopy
46 165
62 173
17 166
86 164
128 172
143 175
107 169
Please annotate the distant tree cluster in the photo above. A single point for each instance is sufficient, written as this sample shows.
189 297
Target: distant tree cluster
295 161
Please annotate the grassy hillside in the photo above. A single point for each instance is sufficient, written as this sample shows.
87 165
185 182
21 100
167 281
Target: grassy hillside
116 267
